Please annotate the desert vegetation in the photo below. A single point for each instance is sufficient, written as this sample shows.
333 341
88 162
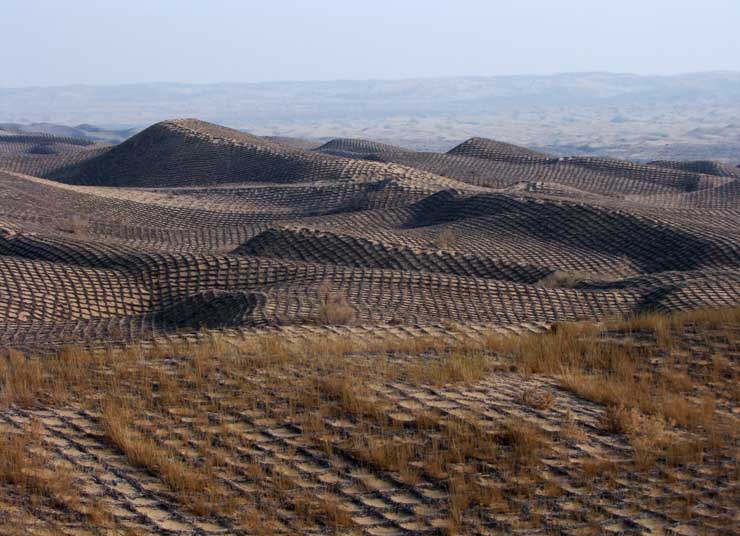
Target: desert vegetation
375 426
74 224
334 309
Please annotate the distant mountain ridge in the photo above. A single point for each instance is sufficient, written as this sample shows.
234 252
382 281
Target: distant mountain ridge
643 118
139 104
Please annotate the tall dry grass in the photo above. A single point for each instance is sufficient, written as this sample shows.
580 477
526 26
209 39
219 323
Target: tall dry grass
23 466
194 486
309 383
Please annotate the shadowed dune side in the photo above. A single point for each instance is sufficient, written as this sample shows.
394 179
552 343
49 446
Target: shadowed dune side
493 164
495 150
357 148
212 309
701 166
723 197
43 144
190 152
183 219
185 152
329 248
295 143
42 164
489 230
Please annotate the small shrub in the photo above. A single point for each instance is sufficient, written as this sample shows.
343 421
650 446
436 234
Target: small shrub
75 224
445 239
538 398
334 309
619 419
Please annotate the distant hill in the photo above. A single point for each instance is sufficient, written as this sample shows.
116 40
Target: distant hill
84 131
683 117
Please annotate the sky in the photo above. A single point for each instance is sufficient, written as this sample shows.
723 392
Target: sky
54 42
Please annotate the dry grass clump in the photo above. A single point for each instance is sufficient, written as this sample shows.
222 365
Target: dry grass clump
707 318
648 440
527 442
74 224
331 513
352 398
612 373
651 440
470 491
657 323
686 451
619 419
662 325
33 476
334 309
566 346
194 485
445 239
29 381
451 366
144 452
21 380
569 429
594 468
538 398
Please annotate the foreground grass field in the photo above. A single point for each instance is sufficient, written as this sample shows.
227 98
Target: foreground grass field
625 427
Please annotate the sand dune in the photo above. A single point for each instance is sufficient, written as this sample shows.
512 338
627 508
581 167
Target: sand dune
190 223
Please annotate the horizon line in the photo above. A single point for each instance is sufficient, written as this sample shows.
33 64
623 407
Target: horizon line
380 79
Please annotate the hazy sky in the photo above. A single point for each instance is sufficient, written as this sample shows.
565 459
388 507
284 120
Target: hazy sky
58 42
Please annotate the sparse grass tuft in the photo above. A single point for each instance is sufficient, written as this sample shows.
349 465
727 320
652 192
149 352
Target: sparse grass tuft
450 367
526 441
